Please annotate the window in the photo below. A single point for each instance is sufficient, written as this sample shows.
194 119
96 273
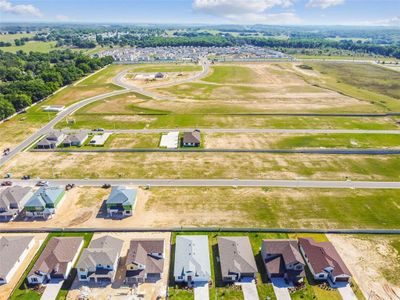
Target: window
321 275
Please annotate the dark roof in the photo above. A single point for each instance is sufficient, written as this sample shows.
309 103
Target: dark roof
55 257
322 255
288 249
140 251
191 137
236 255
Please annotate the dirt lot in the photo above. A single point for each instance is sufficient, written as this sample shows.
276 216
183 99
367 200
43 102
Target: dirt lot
117 290
170 77
6 289
367 258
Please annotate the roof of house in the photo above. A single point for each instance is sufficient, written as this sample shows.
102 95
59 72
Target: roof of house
45 142
76 137
55 257
141 252
11 249
122 195
191 137
288 249
236 255
14 195
45 195
54 135
105 251
191 254
322 255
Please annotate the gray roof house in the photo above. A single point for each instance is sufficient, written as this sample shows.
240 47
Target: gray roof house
44 201
144 261
99 262
56 260
121 201
192 259
13 251
191 139
51 140
236 258
76 139
282 259
12 201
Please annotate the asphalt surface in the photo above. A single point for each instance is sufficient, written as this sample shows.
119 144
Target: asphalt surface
360 151
221 183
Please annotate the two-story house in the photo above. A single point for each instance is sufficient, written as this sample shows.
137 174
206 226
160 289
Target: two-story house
44 202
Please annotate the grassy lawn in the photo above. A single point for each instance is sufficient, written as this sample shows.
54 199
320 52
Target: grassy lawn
230 74
166 68
35 46
23 292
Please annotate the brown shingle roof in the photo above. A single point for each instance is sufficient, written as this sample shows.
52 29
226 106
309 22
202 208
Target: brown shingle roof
322 255
58 253
191 137
287 248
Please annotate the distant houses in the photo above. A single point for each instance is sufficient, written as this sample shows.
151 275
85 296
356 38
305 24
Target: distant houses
44 202
56 260
282 259
99 262
144 261
236 259
121 201
13 250
13 200
324 261
192 259
191 139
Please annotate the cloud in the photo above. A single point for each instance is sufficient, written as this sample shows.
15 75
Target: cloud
324 3
247 11
19 9
63 18
395 21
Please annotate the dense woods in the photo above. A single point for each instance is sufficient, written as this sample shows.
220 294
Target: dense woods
28 78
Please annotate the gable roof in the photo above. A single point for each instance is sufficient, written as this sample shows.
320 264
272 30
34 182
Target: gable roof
44 196
11 249
54 135
191 254
76 137
288 249
45 142
104 250
140 251
55 257
122 195
322 255
191 137
14 196
236 255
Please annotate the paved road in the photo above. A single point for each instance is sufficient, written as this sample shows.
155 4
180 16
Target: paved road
49 126
249 130
224 182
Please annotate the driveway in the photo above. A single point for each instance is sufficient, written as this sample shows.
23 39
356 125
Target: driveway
201 291
345 291
281 289
249 291
52 289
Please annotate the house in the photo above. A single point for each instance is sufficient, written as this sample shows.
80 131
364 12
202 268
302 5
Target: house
121 201
192 259
13 251
56 260
12 201
99 262
282 259
144 261
44 202
323 261
236 259
76 139
191 139
51 140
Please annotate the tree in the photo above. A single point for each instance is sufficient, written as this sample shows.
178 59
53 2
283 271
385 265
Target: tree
6 109
19 101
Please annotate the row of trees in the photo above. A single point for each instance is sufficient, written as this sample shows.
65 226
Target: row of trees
28 78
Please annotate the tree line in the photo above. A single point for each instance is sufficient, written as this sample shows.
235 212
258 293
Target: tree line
26 78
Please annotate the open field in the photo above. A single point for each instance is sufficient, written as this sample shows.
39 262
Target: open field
35 46
374 260
204 165
251 207
12 37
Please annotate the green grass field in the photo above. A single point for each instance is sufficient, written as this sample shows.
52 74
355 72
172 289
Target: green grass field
12 37
152 68
231 74
35 46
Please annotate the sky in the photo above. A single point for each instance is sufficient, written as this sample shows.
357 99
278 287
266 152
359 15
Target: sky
276 12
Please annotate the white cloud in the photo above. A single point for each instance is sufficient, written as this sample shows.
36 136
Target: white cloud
63 18
324 3
395 21
19 9
247 11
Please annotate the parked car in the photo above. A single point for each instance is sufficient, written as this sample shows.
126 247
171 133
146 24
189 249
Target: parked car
26 177
98 129
106 186
6 183
69 186
42 183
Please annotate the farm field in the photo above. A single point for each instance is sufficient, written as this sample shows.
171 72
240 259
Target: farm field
207 165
